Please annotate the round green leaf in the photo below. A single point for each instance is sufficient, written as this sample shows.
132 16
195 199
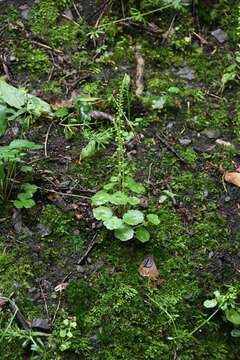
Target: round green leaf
153 219
118 198
27 203
102 213
142 234
133 200
113 223
100 198
124 233
133 217
233 316
134 186
210 303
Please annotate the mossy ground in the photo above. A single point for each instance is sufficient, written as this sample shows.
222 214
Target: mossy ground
119 314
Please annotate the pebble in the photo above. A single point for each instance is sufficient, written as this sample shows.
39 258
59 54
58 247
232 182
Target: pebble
211 133
185 142
43 230
219 35
186 73
227 199
80 269
40 324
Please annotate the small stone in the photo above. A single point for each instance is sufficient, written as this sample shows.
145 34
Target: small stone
69 14
80 269
205 193
204 147
76 232
227 199
211 133
186 73
25 11
185 142
219 35
43 230
40 324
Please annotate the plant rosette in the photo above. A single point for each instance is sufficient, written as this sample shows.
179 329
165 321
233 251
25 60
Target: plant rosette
132 222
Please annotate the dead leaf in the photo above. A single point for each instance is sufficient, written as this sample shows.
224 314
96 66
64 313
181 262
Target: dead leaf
63 104
148 268
232 177
61 287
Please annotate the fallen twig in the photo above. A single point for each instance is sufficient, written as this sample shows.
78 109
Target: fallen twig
46 139
95 114
66 194
90 247
17 313
140 71
169 147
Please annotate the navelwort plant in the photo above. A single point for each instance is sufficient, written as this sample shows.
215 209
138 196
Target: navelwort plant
12 168
117 204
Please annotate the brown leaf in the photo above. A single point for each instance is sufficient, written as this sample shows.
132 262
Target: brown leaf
61 287
148 268
233 177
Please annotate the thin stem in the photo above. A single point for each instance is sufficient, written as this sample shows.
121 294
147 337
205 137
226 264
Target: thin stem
204 322
133 16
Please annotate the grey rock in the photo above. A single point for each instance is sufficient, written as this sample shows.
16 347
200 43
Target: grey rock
41 324
204 147
43 230
227 199
186 73
76 232
219 35
80 269
185 142
69 14
211 133
25 11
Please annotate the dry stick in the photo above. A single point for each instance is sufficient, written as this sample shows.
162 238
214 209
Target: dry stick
90 247
47 47
140 71
169 147
55 314
17 313
45 301
66 194
46 139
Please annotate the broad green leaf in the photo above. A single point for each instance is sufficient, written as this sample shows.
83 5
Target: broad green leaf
133 217
100 198
160 102
26 168
28 203
89 150
210 303
118 198
109 186
61 112
133 200
142 234
235 333
233 316
153 219
102 213
12 96
29 188
124 233
134 186
24 144
24 196
113 223
3 119
37 106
